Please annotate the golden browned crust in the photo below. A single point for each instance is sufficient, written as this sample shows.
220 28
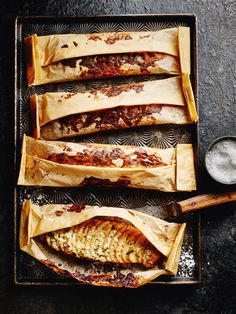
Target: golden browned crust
30 60
106 241
34 116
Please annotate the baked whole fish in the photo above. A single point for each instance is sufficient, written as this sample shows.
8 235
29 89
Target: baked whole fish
101 246
104 241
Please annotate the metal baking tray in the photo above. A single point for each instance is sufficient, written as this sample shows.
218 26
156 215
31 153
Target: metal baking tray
27 270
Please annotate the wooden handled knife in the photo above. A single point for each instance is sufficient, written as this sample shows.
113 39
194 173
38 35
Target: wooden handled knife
195 203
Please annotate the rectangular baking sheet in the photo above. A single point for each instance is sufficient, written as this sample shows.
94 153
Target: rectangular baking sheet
27 270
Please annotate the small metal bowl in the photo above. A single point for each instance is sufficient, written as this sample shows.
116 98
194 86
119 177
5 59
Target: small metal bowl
219 139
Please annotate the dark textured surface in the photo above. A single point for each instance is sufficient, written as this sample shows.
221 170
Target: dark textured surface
216 294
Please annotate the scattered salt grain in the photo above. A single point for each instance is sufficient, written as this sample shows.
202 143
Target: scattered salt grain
221 161
187 266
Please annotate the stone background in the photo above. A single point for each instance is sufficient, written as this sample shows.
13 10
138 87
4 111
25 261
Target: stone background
217 71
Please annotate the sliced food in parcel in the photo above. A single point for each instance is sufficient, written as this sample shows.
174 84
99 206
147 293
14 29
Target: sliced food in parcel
130 246
102 246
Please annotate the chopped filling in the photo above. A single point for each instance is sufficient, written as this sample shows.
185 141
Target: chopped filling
105 182
117 90
108 119
111 65
130 116
114 157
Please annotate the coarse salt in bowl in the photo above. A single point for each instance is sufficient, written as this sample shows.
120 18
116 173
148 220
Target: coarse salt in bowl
220 160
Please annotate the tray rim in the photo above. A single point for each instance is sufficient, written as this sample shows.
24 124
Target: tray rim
21 19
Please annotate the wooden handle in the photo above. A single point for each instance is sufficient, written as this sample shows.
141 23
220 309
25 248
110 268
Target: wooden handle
206 200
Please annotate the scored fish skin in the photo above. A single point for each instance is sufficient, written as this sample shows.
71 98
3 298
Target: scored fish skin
78 246
114 243
104 241
134 255
125 238
129 248
103 233
97 251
